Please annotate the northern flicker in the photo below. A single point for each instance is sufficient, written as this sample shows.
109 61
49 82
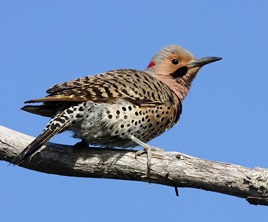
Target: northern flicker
119 108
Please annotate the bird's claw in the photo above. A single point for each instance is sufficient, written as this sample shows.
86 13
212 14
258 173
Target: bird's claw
82 145
148 150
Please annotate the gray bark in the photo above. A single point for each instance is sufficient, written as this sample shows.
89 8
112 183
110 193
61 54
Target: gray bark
168 168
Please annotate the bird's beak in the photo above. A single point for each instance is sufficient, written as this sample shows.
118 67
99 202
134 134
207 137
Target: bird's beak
202 61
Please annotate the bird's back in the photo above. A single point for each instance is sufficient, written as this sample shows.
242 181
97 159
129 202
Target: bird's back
137 87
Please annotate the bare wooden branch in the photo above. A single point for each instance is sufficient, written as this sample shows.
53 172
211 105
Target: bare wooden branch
168 168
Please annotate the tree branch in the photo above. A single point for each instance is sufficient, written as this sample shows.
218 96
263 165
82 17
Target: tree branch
168 168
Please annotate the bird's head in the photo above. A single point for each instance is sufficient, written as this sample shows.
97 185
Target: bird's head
177 67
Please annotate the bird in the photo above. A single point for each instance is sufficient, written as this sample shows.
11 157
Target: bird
121 108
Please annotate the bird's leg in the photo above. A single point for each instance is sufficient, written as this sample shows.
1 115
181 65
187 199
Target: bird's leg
146 149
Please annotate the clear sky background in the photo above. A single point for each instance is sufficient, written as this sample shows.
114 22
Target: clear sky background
225 116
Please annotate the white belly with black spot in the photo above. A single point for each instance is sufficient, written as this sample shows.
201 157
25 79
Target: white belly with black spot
112 124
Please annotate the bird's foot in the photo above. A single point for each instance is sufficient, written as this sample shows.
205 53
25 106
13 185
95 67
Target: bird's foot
81 146
146 149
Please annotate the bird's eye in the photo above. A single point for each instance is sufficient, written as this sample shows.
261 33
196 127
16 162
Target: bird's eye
175 61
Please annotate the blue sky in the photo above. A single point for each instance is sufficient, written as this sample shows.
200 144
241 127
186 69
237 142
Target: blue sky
224 116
